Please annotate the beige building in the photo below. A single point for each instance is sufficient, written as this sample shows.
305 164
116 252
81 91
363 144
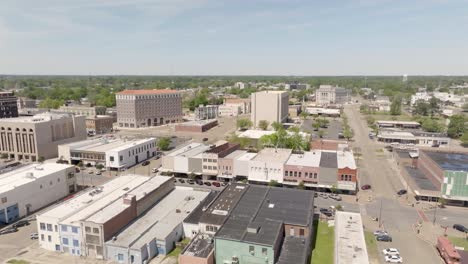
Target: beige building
331 95
85 110
99 124
28 138
146 108
271 106
234 107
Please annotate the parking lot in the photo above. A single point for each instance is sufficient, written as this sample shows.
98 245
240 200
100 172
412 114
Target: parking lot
331 132
14 244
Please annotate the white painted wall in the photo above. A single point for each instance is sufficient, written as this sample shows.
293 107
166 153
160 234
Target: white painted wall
126 157
266 171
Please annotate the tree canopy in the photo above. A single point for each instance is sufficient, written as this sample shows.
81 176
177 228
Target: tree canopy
164 143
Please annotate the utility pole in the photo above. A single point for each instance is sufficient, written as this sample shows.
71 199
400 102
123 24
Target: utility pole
380 213
435 213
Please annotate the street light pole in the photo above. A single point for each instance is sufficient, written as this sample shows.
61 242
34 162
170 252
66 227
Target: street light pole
380 213
435 212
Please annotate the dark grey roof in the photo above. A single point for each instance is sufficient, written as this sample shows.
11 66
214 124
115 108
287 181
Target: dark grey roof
328 160
266 209
195 215
199 247
222 206
295 250
450 161
420 179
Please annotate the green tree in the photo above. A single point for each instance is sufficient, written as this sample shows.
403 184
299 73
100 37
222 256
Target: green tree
41 159
333 188
303 115
80 164
465 107
421 108
464 139
192 176
244 123
276 126
99 166
301 185
263 124
395 107
51 103
457 126
348 132
431 125
434 105
164 143
339 207
273 183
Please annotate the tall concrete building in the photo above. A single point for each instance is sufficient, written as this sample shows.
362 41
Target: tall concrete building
8 105
271 106
328 94
147 108
28 138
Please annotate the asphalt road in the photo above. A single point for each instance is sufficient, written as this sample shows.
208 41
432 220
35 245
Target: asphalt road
396 216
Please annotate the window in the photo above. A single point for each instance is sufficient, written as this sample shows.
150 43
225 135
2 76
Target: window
96 230
74 229
285 173
56 228
120 257
49 238
264 251
132 258
49 227
295 174
252 250
42 226
121 158
76 243
42 237
301 232
111 158
88 229
57 247
4 199
64 228
65 241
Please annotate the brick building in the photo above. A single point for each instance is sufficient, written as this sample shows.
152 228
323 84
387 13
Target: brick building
8 105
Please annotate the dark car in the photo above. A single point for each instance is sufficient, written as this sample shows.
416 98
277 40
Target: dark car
460 228
207 183
216 184
402 192
199 182
181 181
384 238
326 212
20 223
191 181
205 139
8 231
145 163
365 187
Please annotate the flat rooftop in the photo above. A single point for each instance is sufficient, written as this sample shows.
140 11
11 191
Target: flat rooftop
266 209
247 156
345 159
159 221
195 215
294 250
39 118
420 179
199 247
23 175
198 122
450 161
221 207
350 245
329 159
111 190
309 159
392 122
273 155
396 134
184 149
235 154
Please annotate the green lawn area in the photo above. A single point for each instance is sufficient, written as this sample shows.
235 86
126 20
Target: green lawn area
459 242
324 244
177 250
15 261
371 244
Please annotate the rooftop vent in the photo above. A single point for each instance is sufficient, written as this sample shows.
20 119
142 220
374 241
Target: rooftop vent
177 211
253 229
39 168
271 205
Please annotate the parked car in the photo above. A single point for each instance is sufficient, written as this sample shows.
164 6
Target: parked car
145 163
393 259
191 181
335 197
199 182
402 192
223 183
98 173
380 233
181 180
90 172
390 251
205 139
216 184
460 228
20 223
154 170
384 238
207 183
365 187
8 231
34 236
326 212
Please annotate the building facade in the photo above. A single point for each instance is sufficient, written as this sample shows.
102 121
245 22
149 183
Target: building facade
271 106
203 112
198 126
99 124
29 138
146 108
88 111
8 105
331 95
29 188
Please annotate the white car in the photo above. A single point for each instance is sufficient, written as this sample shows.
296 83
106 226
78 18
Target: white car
380 233
34 236
393 259
391 251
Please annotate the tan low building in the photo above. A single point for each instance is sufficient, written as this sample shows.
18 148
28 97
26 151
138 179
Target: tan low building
99 124
29 138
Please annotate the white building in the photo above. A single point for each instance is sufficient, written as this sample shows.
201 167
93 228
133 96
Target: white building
328 94
350 245
268 165
203 112
31 187
187 159
240 85
241 164
113 153
234 107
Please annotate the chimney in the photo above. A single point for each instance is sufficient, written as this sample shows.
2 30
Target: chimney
129 199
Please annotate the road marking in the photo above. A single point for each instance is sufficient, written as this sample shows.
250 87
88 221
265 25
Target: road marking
362 209
422 215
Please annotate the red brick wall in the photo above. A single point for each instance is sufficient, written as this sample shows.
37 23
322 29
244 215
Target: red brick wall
112 226
303 170
325 144
347 171
185 259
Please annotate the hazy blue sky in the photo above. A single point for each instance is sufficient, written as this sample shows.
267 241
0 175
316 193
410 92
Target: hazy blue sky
286 37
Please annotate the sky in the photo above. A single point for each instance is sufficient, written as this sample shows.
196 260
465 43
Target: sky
234 37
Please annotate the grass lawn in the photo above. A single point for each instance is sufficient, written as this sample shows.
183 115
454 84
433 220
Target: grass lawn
15 261
371 244
177 250
459 242
324 244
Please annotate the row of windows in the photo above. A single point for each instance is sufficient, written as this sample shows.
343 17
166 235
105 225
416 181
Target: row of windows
95 230
312 175
209 167
141 149
266 170
130 97
345 177
17 129
74 229
252 251
65 241
211 228
226 167
210 160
